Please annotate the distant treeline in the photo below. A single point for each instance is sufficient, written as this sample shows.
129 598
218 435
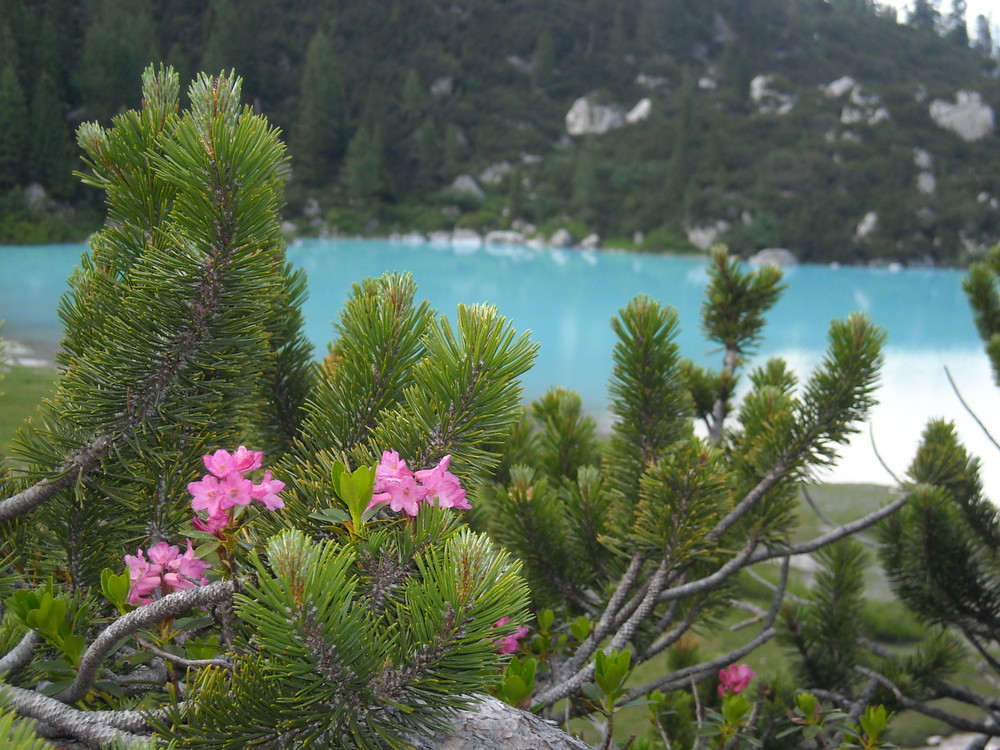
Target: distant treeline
383 104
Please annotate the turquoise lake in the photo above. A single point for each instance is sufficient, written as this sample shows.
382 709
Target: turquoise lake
566 297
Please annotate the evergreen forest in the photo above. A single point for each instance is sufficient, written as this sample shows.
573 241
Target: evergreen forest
385 104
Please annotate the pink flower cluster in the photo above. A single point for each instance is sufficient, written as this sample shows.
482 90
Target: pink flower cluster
508 644
734 679
225 486
165 569
406 490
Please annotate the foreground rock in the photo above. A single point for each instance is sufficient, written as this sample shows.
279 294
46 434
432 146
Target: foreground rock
493 725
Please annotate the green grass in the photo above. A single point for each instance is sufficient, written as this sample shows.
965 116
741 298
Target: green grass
21 389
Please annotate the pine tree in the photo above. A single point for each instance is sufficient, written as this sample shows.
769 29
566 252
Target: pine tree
984 37
940 554
14 129
318 140
120 40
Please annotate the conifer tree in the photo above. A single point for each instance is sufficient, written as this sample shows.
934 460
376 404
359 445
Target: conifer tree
14 128
941 551
318 139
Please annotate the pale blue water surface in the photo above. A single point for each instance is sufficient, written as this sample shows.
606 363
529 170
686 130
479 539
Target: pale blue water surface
566 297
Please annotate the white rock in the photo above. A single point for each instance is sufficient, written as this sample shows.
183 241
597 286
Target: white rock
708 83
503 237
927 183
466 184
526 228
703 237
970 118
443 86
495 173
866 226
35 195
767 99
774 256
439 237
652 82
591 242
860 100
587 116
289 228
640 111
519 64
922 159
561 238
841 86
468 237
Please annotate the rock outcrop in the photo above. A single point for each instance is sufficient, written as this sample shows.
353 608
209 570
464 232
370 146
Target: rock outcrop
466 184
588 117
768 99
706 235
773 256
867 225
970 118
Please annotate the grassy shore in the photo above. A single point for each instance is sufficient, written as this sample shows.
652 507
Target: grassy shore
21 389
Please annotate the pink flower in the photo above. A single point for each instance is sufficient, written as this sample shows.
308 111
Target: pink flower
246 460
509 643
404 494
214 524
734 679
235 490
267 492
443 488
391 467
144 578
221 463
185 571
166 569
206 495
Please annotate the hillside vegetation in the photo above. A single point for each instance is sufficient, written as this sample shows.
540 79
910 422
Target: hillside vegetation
385 104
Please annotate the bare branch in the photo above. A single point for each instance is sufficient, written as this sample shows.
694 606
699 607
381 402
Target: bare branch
958 722
82 463
82 725
968 409
839 533
681 678
169 606
21 654
182 662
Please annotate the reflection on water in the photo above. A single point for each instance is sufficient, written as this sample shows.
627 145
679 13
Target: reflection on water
567 298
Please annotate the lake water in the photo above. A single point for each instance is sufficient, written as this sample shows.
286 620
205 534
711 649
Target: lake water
566 298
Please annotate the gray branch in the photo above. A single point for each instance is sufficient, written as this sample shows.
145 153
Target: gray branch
82 463
83 725
956 721
21 654
169 606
